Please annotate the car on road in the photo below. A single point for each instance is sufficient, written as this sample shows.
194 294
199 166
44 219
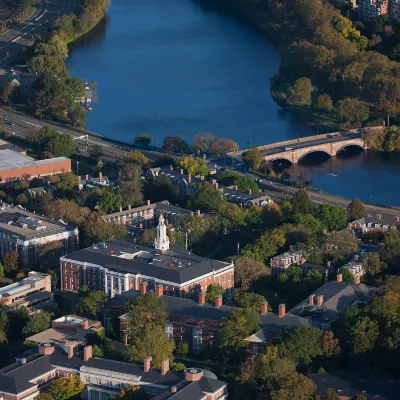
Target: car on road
288 148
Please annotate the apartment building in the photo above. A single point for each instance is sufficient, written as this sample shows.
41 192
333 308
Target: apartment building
115 266
282 262
30 292
39 241
369 10
103 378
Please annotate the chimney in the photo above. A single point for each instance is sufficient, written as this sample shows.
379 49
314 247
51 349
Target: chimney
164 367
79 178
198 213
249 192
159 290
70 350
143 287
356 257
87 353
202 178
22 361
202 298
357 280
339 278
264 307
378 216
173 389
281 310
171 168
181 171
147 363
328 264
100 177
129 207
148 202
213 182
86 177
120 209
320 300
236 188
397 219
311 299
189 178
218 301
216 186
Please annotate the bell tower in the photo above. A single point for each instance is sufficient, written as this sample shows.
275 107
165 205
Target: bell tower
162 241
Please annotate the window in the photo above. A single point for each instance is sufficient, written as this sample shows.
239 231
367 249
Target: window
197 340
223 279
87 379
229 277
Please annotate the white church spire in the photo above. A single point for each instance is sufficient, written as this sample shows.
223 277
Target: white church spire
162 241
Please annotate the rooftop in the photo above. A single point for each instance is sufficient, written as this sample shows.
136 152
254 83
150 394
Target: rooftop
176 265
23 285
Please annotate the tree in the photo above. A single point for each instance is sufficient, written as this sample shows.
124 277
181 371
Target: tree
301 203
351 110
359 396
300 92
11 261
221 146
248 270
252 158
373 264
144 311
131 392
330 344
21 199
61 145
364 334
66 184
151 341
237 326
347 276
333 217
54 279
38 322
248 300
142 140
202 142
175 144
6 92
66 388
97 351
213 291
302 344
96 151
330 394
193 165
161 188
206 198
244 183
18 318
182 349
266 246
324 103
356 210
4 320
110 200
137 157
93 303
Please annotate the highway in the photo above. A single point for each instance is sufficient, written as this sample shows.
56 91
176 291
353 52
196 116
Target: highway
16 39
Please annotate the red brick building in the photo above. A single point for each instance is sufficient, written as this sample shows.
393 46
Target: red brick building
116 266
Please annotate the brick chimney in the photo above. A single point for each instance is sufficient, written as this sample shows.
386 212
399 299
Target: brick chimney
339 278
357 280
218 301
181 171
147 363
378 216
236 188
213 182
202 298
129 207
198 213
70 350
281 310
100 176
87 353
148 202
159 290
216 186
311 299
202 178
120 209
22 361
143 287
320 300
396 219
174 389
86 177
264 307
328 264
164 367
189 179
79 178
249 192
171 168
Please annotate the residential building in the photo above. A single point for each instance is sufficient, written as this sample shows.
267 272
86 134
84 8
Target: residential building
394 9
39 241
198 322
30 292
348 383
370 222
324 271
146 217
115 266
69 328
247 199
104 378
86 182
15 166
356 268
282 262
369 10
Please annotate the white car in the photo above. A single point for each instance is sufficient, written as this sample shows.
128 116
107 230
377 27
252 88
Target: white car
288 148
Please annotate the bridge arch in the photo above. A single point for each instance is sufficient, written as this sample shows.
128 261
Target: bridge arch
345 146
313 150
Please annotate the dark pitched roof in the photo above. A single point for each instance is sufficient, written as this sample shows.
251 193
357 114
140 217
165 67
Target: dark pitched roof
348 383
175 265
115 366
191 391
154 376
209 385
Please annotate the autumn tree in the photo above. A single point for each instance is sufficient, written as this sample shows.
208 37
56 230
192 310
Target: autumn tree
96 151
248 270
214 290
252 158
300 92
175 144
137 157
248 300
131 392
11 261
221 146
66 388
324 103
330 394
356 210
193 165
351 110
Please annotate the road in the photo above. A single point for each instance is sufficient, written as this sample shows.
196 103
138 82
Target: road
21 125
16 39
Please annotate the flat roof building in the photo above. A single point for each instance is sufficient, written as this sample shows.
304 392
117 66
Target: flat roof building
14 166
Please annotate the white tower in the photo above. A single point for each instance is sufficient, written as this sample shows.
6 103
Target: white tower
162 241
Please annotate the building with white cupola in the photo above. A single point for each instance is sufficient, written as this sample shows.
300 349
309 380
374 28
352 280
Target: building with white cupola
116 266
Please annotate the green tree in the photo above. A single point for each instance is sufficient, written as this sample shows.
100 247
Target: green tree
137 157
266 246
330 394
330 344
110 201
359 396
252 158
21 199
324 103
301 203
244 183
161 188
351 110
132 392
248 270
66 388
4 321
248 300
96 151
61 145
237 326
333 217
356 210
373 264
54 279
175 144
364 335
302 344
206 198
182 349
11 261
97 351
18 318
142 140
38 322
213 291
300 92
94 302
66 184
346 274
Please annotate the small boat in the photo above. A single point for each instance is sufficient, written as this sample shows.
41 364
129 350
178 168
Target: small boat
332 174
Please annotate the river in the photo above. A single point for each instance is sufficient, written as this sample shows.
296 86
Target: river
176 67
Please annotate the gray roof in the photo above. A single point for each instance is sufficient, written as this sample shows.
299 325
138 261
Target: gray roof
114 366
174 265
348 383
